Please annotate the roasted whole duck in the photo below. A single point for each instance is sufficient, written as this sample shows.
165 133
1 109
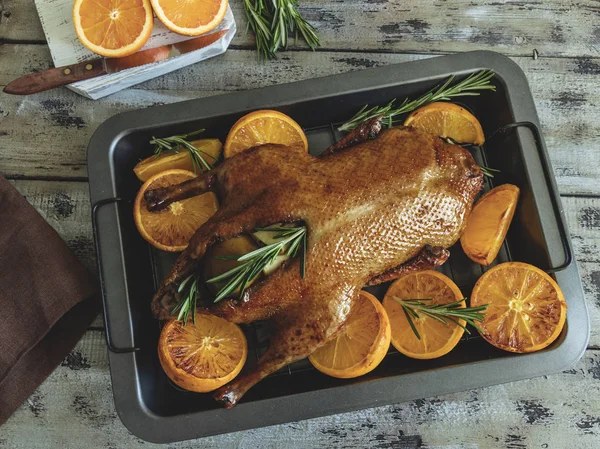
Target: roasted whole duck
383 206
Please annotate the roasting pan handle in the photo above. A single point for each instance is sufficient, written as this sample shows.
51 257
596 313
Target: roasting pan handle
111 346
564 235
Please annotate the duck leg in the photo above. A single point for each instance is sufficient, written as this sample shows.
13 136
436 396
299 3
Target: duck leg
295 338
302 325
262 301
225 224
158 199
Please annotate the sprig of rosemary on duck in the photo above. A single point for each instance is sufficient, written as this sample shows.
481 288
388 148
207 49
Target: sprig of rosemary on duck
470 86
176 143
441 312
287 241
186 306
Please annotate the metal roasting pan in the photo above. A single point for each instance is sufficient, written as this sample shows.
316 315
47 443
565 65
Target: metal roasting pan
130 270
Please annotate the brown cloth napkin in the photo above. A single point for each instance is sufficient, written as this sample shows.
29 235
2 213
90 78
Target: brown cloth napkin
47 299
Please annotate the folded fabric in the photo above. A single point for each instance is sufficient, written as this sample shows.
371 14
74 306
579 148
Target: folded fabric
47 299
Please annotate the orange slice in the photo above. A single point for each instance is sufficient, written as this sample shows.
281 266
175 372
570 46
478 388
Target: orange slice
265 126
361 345
488 224
526 311
113 28
182 160
171 229
190 17
447 120
437 339
202 355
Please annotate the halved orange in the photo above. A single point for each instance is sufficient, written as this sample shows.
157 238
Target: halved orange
526 307
113 28
488 224
264 126
447 120
361 345
203 354
171 228
437 339
182 160
190 17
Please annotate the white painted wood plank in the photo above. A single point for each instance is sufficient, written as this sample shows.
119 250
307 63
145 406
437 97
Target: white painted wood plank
52 129
553 27
74 409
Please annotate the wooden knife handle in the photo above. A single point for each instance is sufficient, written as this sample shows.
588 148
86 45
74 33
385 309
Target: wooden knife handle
59 76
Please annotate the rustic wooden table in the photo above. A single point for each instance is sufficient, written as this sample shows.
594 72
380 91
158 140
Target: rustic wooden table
43 140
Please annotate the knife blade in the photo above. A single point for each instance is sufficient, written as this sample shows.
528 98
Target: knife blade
59 76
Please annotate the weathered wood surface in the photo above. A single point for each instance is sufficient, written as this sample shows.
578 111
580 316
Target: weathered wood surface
554 28
74 409
52 130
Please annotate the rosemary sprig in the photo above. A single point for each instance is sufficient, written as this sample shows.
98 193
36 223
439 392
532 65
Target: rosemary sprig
260 24
290 242
447 91
272 21
441 312
175 143
189 299
286 18
488 171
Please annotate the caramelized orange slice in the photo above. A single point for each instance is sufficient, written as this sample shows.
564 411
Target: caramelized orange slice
171 228
526 311
362 344
488 224
447 120
265 126
437 339
202 355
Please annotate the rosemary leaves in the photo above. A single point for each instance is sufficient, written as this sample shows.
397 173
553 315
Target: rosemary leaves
272 21
441 312
470 86
488 171
287 241
175 143
189 299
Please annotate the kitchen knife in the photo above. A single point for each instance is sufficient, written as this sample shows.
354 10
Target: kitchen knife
59 76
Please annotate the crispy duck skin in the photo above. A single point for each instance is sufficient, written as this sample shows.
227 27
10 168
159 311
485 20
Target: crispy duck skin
373 211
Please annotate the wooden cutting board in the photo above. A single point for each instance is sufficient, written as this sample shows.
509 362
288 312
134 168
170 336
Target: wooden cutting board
65 48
